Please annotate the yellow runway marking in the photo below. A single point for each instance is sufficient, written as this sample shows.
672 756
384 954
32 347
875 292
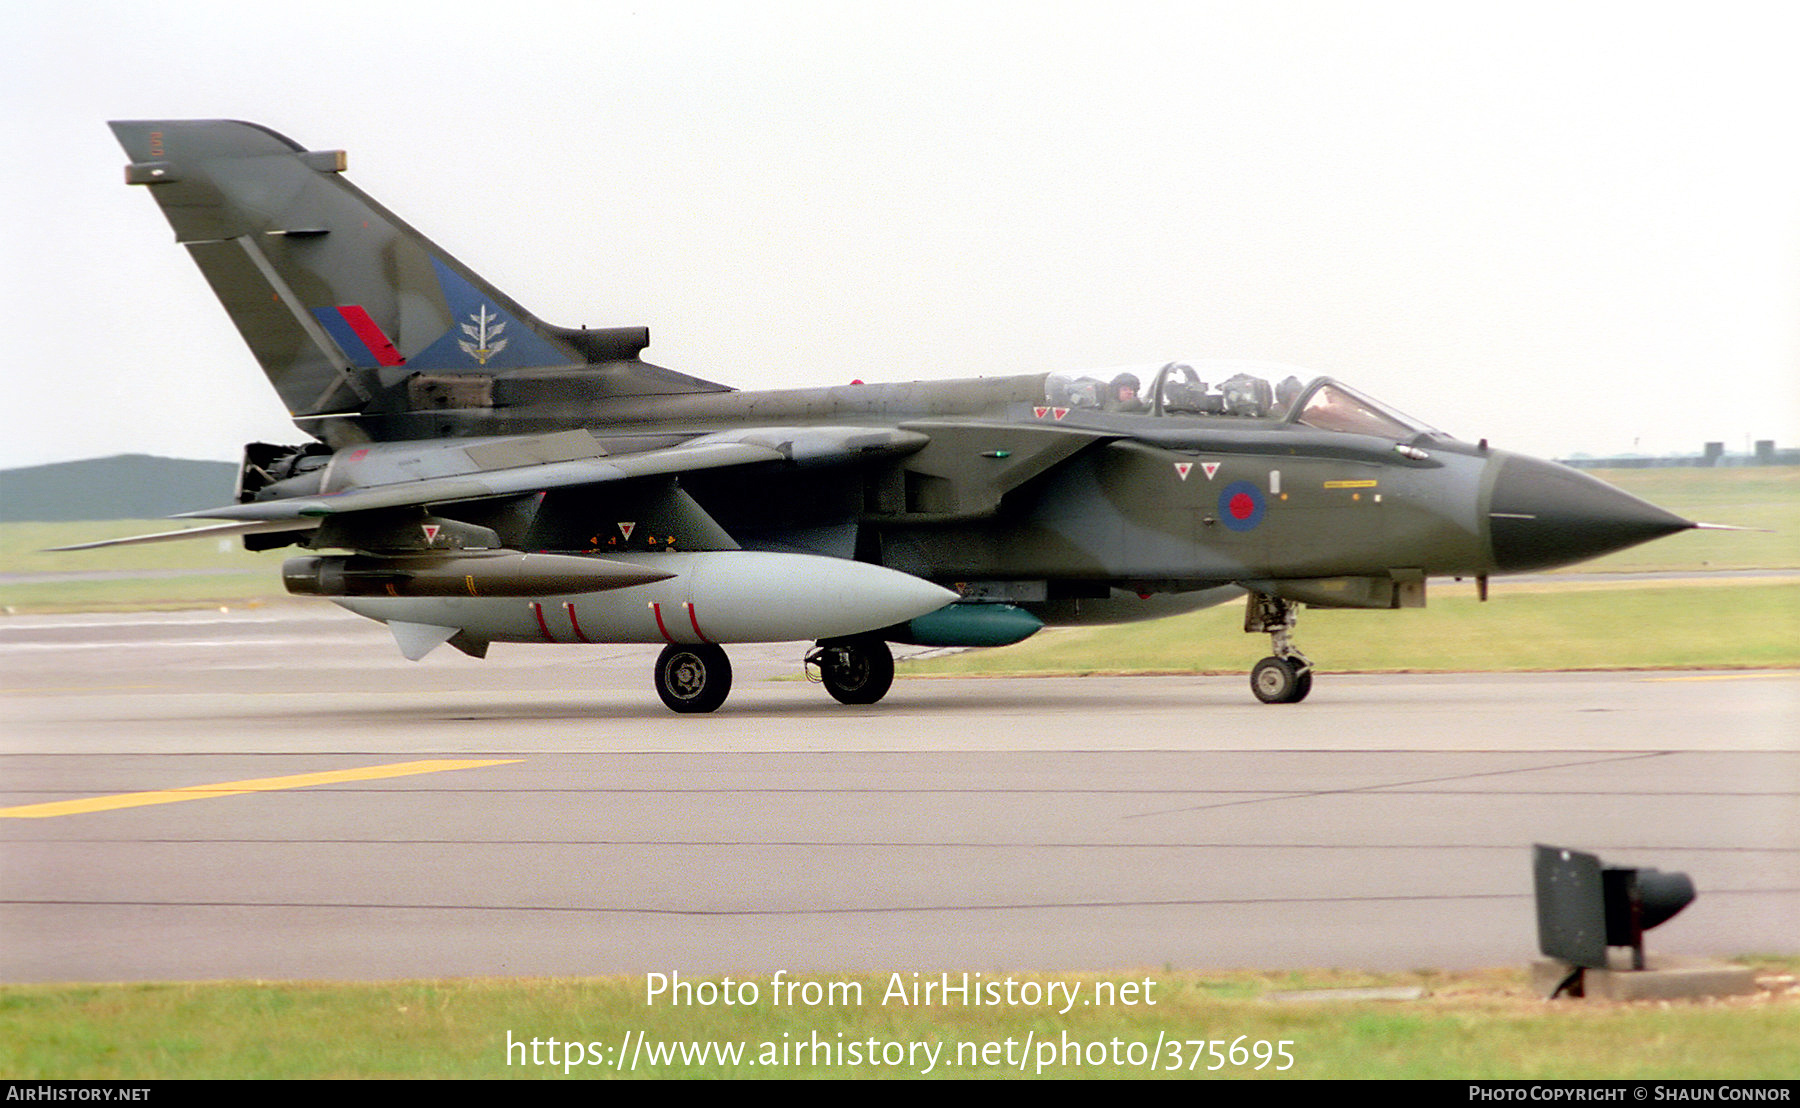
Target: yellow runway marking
238 788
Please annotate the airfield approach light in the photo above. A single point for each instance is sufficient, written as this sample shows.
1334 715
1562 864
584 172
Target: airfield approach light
1583 907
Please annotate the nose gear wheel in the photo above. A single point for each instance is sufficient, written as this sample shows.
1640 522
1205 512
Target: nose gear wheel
1286 677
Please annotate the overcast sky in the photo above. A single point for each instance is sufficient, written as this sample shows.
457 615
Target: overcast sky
1561 226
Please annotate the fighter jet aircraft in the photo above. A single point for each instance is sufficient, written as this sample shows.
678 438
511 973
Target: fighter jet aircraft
481 476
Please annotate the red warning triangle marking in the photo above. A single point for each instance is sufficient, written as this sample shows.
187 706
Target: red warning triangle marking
1183 468
626 529
1060 412
1210 468
431 532
1040 412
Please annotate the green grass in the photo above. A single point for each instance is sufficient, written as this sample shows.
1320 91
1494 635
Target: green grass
1740 624
23 549
143 594
1766 497
1470 1025
213 571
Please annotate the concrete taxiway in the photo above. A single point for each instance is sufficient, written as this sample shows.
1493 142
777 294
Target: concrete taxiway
542 813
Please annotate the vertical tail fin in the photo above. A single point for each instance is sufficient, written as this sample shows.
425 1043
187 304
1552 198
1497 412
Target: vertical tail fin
349 310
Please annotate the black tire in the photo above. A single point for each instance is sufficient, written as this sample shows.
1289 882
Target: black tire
1279 681
857 671
693 678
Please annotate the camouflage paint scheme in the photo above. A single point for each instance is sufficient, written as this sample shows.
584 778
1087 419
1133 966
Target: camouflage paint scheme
449 420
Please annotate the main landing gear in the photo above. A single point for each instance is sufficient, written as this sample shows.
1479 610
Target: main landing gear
857 670
1286 677
693 678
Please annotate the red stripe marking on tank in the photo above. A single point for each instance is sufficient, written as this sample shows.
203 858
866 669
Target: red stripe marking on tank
538 610
656 609
366 330
575 624
694 623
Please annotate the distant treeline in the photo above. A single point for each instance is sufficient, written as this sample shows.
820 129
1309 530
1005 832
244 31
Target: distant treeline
126 486
1713 457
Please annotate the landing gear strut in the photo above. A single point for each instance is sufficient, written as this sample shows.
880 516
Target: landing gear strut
1286 677
857 670
693 678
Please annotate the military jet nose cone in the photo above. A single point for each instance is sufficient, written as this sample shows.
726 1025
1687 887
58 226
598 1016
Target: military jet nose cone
1543 515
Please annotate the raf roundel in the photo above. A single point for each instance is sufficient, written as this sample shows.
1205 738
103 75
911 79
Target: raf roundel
1241 506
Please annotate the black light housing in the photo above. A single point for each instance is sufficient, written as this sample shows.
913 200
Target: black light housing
1584 907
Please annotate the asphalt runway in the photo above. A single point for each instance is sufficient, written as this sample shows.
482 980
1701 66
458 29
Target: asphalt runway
541 813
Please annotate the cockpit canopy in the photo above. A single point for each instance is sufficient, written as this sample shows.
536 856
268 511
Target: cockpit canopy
1230 389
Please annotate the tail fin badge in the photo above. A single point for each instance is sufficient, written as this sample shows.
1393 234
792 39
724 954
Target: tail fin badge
485 330
482 331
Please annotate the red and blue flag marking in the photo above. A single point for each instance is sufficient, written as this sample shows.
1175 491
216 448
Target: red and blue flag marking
357 336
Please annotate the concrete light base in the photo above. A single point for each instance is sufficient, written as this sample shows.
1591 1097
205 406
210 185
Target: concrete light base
1663 979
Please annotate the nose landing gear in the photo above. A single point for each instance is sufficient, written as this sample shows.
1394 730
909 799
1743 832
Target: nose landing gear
1286 677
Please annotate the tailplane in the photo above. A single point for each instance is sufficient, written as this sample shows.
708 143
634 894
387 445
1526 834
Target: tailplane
365 327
